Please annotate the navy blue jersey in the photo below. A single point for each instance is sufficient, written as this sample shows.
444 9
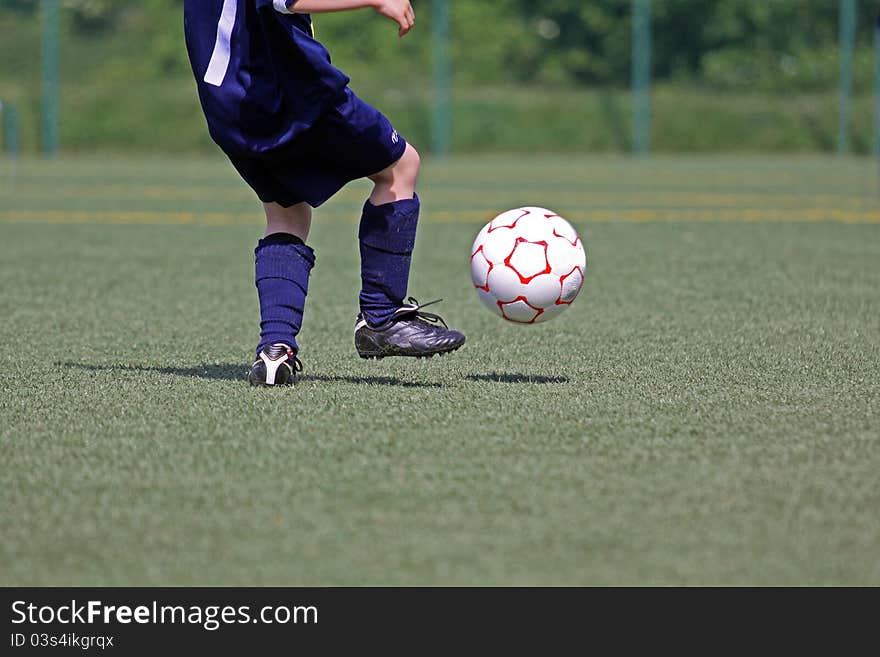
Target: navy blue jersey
262 77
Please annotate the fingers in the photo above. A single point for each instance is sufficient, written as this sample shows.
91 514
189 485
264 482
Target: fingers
407 21
401 12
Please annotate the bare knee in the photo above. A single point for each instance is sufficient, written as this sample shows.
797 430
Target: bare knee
399 180
408 166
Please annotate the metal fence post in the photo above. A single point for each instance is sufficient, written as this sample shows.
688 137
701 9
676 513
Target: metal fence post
50 119
10 128
441 119
847 54
877 87
641 75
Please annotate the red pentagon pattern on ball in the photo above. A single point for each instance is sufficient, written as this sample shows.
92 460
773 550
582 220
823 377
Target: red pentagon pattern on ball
507 219
528 265
572 283
520 311
480 268
528 260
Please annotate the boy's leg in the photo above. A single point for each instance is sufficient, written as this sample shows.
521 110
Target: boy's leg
397 182
283 263
387 325
387 238
295 220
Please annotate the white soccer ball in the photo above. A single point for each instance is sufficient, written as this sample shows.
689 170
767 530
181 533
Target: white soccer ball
528 265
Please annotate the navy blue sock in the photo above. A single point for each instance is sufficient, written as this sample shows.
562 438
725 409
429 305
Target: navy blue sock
283 263
388 236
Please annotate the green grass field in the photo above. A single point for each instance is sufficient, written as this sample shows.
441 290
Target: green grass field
708 412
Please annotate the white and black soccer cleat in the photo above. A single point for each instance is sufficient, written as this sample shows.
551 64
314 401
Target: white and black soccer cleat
410 332
276 366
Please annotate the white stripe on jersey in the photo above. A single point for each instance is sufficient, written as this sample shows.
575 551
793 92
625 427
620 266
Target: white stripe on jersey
281 5
220 57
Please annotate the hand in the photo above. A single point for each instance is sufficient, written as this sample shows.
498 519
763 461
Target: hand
400 11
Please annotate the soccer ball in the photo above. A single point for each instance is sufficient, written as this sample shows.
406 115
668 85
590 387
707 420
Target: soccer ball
528 265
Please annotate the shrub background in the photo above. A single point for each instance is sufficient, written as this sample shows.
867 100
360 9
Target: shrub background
729 74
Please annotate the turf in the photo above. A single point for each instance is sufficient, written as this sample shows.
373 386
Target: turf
708 412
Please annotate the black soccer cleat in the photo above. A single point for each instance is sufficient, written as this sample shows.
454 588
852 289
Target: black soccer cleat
409 332
276 366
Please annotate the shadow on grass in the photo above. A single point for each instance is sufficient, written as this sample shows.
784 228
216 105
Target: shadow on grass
229 372
504 377
370 380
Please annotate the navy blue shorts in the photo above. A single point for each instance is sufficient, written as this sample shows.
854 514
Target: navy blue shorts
351 140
